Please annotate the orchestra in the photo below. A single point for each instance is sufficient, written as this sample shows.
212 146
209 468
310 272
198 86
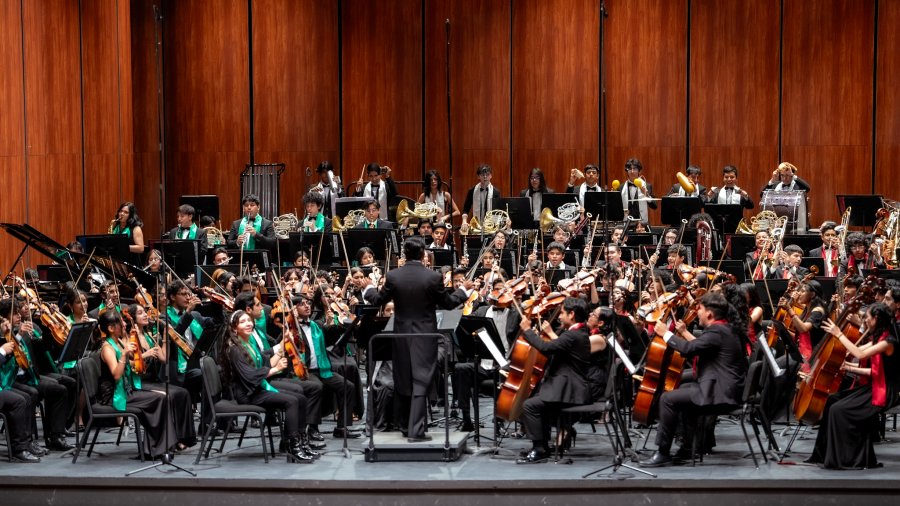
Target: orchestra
690 305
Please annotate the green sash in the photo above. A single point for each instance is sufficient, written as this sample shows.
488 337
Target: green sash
192 232
257 225
126 381
318 339
256 356
8 373
196 332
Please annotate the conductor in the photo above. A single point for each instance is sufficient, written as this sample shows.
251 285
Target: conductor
417 292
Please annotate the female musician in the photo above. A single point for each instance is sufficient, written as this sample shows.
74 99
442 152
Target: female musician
365 257
808 324
537 187
121 388
433 192
223 282
148 336
128 223
850 419
247 370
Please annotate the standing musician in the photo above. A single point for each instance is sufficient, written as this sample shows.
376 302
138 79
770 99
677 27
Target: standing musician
537 187
383 190
828 251
329 192
785 178
16 405
635 191
719 370
849 422
483 197
565 381
187 229
315 220
591 179
730 192
372 219
128 223
433 192
417 292
252 231
693 174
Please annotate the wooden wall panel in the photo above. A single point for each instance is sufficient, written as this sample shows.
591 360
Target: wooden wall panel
556 88
480 90
53 112
295 90
734 90
646 54
827 118
12 126
887 114
207 101
107 109
382 87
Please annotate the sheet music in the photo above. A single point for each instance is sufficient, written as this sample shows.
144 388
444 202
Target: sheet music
611 339
489 344
770 356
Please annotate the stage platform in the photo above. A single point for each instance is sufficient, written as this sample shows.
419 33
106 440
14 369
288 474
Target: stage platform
239 476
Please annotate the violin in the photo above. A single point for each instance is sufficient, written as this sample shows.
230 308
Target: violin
137 364
21 358
341 308
582 279
143 299
504 297
220 299
51 318
294 348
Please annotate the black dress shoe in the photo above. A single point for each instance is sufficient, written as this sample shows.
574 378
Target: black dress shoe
420 439
684 453
38 450
314 435
658 459
535 456
25 457
467 426
341 432
68 433
59 444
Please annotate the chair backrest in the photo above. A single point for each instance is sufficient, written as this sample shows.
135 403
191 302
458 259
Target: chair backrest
212 384
88 369
752 381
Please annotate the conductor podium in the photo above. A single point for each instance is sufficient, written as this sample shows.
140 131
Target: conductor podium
788 203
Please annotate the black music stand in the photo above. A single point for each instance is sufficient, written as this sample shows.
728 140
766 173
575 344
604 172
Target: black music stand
726 216
554 276
344 205
606 204
364 314
257 257
107 245
819 262
554 201
777 287
204 205
469 344
863 208
376 239
519 209
675 209
443 257
76 347
313 244
181 254
739 245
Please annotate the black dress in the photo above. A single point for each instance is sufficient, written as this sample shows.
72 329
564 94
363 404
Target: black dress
849 423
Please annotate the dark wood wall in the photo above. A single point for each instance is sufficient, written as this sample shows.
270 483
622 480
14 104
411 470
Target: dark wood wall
705 82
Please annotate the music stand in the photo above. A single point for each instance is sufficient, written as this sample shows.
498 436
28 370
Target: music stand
554 201
726 216
309 243
181 254
675 209
863 208
107 245
443 257
344 205
519 209
740 245
470 345
363 314
375 239
607 204
204 205
77 342
819 262
257 257
554 276
777 287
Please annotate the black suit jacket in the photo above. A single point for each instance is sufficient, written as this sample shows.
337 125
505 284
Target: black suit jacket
565 379
721 365
470 199
417 292
745 201
801 185
379 224
176 232
265 238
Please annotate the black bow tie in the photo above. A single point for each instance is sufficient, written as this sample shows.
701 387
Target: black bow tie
591 188
304 322
483 189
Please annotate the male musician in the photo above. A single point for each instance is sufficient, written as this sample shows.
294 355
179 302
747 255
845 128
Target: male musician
425 229
828 251
729 193
181 304
790 267
556 253
590 184
417 292
371 219
110 292
383 190
315 220
635 200
330 192
763 244
220 257
17 406
864 255
785 178
252 231
57 391
483 197
719 369
565 380
439 237
676 257
187 229
693 174
464 373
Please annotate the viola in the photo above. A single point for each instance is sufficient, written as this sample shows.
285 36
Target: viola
137 364
56 323
504 297
342 310
294 349
220 299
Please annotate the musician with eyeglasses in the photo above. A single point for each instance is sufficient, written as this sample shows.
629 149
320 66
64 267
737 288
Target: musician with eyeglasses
372 218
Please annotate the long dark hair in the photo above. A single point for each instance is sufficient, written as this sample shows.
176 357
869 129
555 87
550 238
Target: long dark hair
133 219
232 339
426 184
740 319
542 186
884 321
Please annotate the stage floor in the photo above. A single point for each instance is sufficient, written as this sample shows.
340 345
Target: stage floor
239 476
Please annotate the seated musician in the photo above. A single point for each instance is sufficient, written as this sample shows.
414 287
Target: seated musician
110 292
154 356
467 375
764 250
785 178
252 231
491 264
848 427
439 237
181 302
187 229
807 325
677 266
828 251
565 380
556 254
372 219
425 228
16 405
247 370
220 257
720 369
693 174
315 219
864 255
729 192
789 264
121 388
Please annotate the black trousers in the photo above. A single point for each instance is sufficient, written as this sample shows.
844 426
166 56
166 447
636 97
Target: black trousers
19 411
310 389
538 417
465 384
58 401
337 385
293 404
